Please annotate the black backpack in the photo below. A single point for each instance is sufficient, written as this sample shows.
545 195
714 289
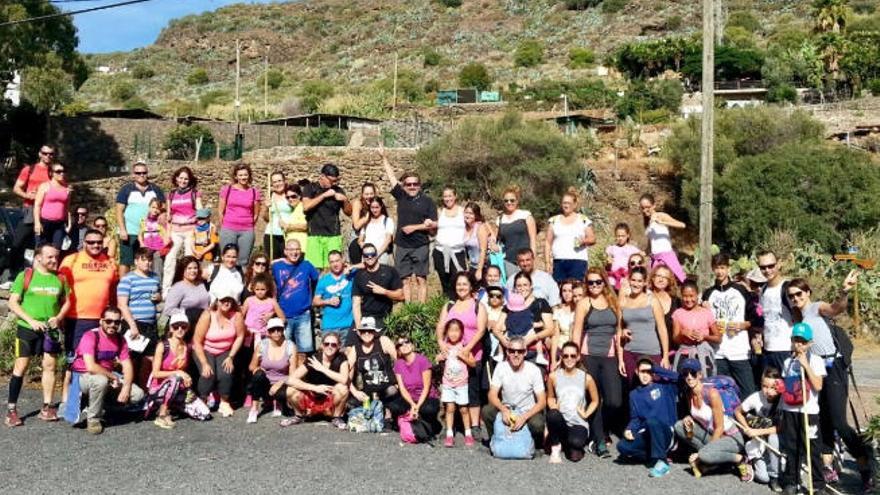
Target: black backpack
421 430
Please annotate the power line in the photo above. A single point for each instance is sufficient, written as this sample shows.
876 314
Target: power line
72 12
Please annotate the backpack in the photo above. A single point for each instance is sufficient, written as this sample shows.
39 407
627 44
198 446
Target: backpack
791 388
413 430
369 419
506 444
842 343
727 389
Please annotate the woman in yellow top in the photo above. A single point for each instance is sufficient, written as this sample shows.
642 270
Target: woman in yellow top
294 223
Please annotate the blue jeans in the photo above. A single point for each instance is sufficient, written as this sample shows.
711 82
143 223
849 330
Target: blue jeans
651 444
565 269
299 331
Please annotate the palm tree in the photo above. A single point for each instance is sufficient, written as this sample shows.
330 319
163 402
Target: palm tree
831 15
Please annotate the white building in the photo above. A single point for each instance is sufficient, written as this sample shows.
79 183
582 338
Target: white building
13 90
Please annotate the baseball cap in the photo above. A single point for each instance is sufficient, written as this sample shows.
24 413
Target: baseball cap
178 317
330 170
368 323
756 276
274 323
690 364
802 330
203 213
226 293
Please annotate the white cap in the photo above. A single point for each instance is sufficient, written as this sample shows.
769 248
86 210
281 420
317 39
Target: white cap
368 323
222 293
274 323
178 317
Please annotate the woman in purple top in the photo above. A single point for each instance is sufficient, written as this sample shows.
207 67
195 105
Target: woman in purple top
413 372
239 208
273 362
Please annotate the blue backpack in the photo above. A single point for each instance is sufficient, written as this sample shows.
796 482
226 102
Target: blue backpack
506 444
727 389
370 419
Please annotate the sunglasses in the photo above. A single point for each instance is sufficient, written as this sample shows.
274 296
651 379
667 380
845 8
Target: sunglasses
260 263
569 356
369 255
403 342
293 196
58 171
47 153
516 352
330 345
495 295
112 323
510 201
94 243
140 173
595 283
794 294
764 268
274 329
645 370
635 263
691 373
180 326
411 184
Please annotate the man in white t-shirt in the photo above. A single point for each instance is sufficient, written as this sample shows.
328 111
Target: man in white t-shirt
543 285
517 392
809 369
777 312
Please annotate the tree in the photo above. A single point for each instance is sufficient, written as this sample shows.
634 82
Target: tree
312 93
831 15
180 142
142 72
122 90
642 97
475 75
529 53
47 88
275 78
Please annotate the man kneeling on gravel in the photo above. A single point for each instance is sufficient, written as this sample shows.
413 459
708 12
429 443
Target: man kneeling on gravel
98 352
319 387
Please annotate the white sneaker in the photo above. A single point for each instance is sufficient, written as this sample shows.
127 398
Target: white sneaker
540 359
252 416
276 411
6 285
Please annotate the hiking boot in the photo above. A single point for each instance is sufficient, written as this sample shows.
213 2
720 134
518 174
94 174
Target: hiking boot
12 419
774 485
339 423
95 427
48 413
746 474
659 470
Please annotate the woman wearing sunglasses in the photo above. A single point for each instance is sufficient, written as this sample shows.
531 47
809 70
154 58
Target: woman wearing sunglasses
319 387
644 328
259 264
52 218
273 361
414 379
100 224
597 330
516 229
834 395
568 407
218 338
707 429
294 222
636 260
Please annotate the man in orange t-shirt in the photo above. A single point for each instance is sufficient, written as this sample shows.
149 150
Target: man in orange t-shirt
29 180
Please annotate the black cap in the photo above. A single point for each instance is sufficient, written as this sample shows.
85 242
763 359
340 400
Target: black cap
330 170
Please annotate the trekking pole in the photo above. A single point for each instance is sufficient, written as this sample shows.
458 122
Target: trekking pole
271 209
852 378
763 442
806 432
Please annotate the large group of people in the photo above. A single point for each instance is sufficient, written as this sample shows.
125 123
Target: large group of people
186 318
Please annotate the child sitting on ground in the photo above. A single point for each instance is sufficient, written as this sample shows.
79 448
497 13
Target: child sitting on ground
758 415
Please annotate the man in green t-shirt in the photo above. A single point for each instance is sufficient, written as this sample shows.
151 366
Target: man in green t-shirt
39 299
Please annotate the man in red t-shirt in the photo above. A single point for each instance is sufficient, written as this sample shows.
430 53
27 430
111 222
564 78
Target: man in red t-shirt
29 180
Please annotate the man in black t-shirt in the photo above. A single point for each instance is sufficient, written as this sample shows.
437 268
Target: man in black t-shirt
320 385
376 288
416 221
322 202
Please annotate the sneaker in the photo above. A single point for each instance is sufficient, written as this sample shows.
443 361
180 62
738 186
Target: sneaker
659 470
6 285
48 413
276 409
556 454
469 441
248 402
339 423
293 420
774 485
746 474
477 433
252 416
225 410
164 422
449 442
829 474
212 400
602 451
95 427
12 419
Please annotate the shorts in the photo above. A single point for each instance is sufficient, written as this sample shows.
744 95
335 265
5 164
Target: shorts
565 269
299 331
28 343
74 329
314 404
457 395
411 261
318 248
127 249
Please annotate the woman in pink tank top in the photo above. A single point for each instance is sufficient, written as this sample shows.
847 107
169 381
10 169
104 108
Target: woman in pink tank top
218 338
472 314
51 215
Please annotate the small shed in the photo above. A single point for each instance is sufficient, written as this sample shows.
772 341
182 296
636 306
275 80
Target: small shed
461 96
123 113
344 122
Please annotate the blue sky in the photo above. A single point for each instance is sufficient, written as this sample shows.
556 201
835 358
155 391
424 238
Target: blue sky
133 26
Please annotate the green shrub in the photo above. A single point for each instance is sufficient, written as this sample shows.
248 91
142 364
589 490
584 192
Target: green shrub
863 6
581 4
581 93
321 136
432 86
529 53
874 87
475 75
409 86
745 19
214 97
121 91
781 93
135 103
417 321
197 77
450 3
613 6
673 22
481 156
312 93
180 142
580 58
275 78
641 97
431 58
7 344
142 72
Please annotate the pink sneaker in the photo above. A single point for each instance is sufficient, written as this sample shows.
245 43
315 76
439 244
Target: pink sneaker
449 442
468 441
248 402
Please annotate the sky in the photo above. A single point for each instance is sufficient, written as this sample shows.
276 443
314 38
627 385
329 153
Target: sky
133 26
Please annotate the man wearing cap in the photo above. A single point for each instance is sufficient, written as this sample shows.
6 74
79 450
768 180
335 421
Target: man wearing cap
319 387
371 366
376 288
294 278
333 296
132 206
777 311
801 363
322 201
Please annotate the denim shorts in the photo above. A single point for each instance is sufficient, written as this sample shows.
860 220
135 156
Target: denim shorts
299 331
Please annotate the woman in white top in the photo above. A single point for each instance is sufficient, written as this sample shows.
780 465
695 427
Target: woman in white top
379 230
516 229
563 318
226 277
569 236
273 211
657 225
360 215
449 254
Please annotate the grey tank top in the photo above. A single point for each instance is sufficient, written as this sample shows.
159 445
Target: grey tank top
640 322
571 393
599 331
515 236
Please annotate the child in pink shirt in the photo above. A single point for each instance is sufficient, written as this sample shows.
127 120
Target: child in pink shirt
693 329
454 387
619 254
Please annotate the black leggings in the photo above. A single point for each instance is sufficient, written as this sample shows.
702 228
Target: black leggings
447 277
608 380
833 400
259 386
429 411
559 432
220 378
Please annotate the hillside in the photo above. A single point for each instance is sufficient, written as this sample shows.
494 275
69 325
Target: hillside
351 45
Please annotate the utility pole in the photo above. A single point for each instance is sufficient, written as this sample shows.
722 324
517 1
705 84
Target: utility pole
266 84
237 86
394 97
707 167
